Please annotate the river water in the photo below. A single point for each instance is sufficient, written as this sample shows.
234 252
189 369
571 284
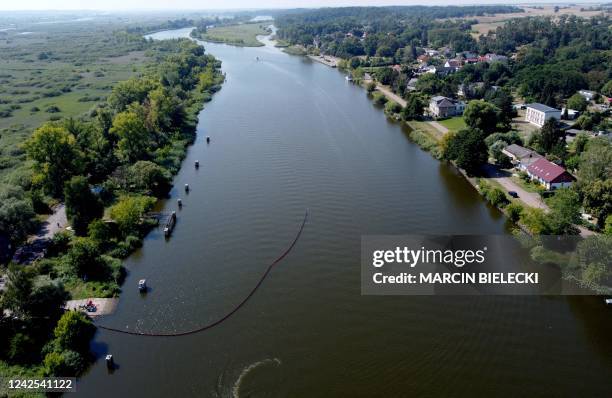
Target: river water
288 134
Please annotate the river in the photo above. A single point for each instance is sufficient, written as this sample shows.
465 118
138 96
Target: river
289 134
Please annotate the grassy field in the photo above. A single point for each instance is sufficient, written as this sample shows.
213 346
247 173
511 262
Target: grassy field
453 124
56 71
491 22
239 35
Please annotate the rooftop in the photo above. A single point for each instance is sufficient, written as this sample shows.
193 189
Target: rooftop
542 107
549 172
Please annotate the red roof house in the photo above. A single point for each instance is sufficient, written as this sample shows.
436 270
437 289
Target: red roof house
550 175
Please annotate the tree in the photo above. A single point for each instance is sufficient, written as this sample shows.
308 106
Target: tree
414 108
577 102
468 149
16 214
371 87
482 115
128 212
535 220
18 289
596 161
66 363
597 199
551 137
56 155
84 259
130 91
497 197
608 225
46 301
82 205
133 136
73 331
564 212
148 176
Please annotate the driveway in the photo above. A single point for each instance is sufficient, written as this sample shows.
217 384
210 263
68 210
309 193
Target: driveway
390 94
55 223
504 179
530 199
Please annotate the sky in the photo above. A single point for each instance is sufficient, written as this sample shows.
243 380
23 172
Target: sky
223 4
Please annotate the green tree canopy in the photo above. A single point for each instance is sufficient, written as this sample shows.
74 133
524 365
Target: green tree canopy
73 331
82 205
577 102
56 155
482 115
129 127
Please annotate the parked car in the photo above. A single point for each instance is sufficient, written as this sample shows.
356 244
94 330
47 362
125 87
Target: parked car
513 194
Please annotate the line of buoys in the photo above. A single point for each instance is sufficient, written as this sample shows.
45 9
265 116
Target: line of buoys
230 313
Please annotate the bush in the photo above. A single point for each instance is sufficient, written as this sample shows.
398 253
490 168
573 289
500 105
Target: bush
379 98
66 363
73 331
393 107
497 197
514 211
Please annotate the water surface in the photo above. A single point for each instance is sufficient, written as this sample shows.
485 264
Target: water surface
288 134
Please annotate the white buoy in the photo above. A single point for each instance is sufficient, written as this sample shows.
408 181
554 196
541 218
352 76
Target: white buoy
186 187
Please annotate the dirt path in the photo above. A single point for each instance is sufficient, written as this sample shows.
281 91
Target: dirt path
438 127
390 94
55 223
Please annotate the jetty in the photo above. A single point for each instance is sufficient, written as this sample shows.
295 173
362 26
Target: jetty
93 307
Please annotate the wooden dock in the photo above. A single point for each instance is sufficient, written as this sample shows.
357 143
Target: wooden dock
103 306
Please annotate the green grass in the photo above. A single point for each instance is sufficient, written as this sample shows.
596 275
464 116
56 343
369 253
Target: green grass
58 72
239 35
453 124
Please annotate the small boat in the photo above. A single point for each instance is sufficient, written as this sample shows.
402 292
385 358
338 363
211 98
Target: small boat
609 301
207 138
348 78
110 363
142 285
197 164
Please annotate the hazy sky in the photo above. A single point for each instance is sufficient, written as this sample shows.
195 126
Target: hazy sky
223 4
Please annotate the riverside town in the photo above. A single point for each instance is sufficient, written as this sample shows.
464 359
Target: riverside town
305 198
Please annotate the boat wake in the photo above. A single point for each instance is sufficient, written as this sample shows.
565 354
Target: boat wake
248 369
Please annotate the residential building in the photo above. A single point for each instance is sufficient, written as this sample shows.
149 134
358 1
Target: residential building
588 95
549 175
453 63
440 106
521 157
493 58
538 114
571 114
411 86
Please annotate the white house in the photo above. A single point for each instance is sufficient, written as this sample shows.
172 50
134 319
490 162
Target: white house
588 95
440 106
538 114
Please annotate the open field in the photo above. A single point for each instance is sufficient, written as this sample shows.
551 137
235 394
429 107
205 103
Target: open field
238 35
491 22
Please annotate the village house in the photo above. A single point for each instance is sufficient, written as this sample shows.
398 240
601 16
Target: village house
423 59
569 114
440 107
538 114
411 86
587 95
490 58
453 63
549 175
521 157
